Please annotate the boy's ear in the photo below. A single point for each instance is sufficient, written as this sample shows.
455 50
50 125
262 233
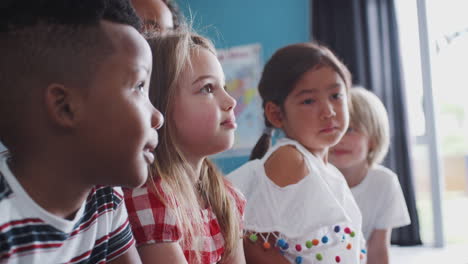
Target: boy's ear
61 105
273 114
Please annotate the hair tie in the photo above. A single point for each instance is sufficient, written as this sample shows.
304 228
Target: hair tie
268 131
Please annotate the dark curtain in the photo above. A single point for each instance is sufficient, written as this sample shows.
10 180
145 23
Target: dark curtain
364 34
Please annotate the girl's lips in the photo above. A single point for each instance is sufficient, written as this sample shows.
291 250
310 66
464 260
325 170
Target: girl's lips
328 130
230 123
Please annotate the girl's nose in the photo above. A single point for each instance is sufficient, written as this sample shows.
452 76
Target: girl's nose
229 103
327 111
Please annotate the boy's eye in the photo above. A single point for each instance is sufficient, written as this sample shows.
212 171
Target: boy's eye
208 88
140 86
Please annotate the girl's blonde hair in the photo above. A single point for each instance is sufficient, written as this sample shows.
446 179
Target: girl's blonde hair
171 53
368 114
283 70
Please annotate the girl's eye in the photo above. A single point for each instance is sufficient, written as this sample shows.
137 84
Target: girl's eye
308 101
207 89
350 129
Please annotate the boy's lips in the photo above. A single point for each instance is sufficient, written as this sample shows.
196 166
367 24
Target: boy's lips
148 150
149 156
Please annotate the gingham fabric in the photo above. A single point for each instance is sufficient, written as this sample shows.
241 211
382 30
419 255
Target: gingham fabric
152 222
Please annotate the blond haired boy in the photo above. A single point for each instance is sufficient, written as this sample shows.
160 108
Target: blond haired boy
375 188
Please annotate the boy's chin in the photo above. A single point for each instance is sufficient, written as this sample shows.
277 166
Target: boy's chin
133 180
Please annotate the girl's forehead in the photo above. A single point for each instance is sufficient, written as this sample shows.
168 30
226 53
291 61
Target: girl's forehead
317 77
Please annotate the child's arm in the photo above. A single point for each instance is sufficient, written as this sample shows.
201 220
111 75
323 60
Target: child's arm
239 256
130 257
256 254
286 166
162 253
377 247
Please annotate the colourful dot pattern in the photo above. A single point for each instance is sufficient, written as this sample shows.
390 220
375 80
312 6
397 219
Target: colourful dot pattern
297 249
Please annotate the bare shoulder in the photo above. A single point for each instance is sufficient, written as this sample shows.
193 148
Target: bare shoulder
286 166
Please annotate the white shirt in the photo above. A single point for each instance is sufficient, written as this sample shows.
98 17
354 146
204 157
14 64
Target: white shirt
98 233
310 209
381 201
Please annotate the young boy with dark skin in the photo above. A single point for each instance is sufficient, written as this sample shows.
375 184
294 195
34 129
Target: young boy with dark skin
75 115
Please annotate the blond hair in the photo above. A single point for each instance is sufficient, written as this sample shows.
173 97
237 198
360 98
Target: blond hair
368 114
171 53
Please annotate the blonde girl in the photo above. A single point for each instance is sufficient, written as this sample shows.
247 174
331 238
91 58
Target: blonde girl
299 209
188 212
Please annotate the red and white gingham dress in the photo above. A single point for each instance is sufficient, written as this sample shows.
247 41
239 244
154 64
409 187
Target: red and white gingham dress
152 222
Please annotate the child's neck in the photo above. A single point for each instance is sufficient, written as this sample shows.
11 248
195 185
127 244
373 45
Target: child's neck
51 183
354 175
196 165
321 154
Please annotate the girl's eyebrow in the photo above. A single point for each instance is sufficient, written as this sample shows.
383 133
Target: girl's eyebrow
314 90
202 78
333 86
305 91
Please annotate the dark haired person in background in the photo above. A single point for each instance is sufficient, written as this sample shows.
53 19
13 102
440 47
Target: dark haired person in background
161 15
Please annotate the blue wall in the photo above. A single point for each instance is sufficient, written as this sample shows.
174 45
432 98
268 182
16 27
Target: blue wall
272 23
228 23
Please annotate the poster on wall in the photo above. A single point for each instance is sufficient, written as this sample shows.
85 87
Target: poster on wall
242 67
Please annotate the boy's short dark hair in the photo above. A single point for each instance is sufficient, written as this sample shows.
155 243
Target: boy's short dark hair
51 41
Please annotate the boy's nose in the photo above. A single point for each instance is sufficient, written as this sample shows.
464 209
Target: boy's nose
157 119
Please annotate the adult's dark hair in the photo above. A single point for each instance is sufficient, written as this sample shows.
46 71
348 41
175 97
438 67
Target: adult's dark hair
177 17
46 41
283 71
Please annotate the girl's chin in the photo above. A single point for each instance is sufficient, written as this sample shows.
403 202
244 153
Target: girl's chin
221 148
